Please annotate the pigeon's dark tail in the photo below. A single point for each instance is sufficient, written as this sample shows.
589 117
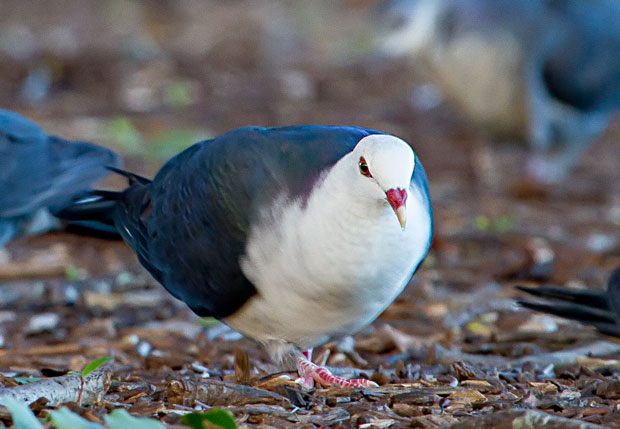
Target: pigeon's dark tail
600 309
94 213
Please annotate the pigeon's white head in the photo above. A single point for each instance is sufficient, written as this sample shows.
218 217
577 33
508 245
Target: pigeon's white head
381 167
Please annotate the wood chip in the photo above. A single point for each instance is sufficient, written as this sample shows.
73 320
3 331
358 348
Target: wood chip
407 410
479 385
147 408
467 396
416 398
609 389
242 367
544 388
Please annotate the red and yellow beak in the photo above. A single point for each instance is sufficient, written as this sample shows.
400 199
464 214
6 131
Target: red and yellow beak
398 199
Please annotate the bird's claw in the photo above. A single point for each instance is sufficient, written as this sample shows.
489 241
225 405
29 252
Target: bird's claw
310 372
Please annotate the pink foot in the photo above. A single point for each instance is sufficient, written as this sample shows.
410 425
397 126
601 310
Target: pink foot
310 372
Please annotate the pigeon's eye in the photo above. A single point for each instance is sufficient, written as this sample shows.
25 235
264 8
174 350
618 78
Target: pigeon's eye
364 167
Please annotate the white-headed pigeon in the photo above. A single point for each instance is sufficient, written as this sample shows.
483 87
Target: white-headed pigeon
292 236
600 309
546 72
40 174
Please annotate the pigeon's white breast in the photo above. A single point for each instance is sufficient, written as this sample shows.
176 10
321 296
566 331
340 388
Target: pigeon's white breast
328 268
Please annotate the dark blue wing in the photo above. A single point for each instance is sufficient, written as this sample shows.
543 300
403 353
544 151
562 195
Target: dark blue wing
420 181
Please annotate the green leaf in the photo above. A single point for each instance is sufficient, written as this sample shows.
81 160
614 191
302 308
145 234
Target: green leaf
218 417
180 93
174 141
22 415
72 273
482 223
504 223
479 328
121 419
65 419
122 130
94 365
207 322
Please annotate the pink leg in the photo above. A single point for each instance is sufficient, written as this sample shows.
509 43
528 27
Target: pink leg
310 372
305 379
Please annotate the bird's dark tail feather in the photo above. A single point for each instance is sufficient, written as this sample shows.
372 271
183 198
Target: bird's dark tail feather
92 215
93 212
588 298
585 306
131 177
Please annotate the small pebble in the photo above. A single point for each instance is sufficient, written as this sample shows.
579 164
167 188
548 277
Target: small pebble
144 349
42 322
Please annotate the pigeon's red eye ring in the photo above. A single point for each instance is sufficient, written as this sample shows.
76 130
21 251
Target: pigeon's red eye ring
364 167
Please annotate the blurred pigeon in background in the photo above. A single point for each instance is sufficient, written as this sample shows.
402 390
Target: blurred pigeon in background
292 236
600 309
40 174
546 72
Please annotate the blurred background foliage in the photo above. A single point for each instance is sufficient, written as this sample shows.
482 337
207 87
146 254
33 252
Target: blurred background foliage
151 77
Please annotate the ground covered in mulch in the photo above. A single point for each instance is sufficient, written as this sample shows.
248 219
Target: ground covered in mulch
454 349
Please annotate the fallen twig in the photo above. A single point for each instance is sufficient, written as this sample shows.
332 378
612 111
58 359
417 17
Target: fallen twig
271 410
215 392
329 418
522 418
560 358
326 419
44 350
52 262
66 388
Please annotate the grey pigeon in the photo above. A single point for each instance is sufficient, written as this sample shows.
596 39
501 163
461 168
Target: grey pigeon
291 236
546 72
40 174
